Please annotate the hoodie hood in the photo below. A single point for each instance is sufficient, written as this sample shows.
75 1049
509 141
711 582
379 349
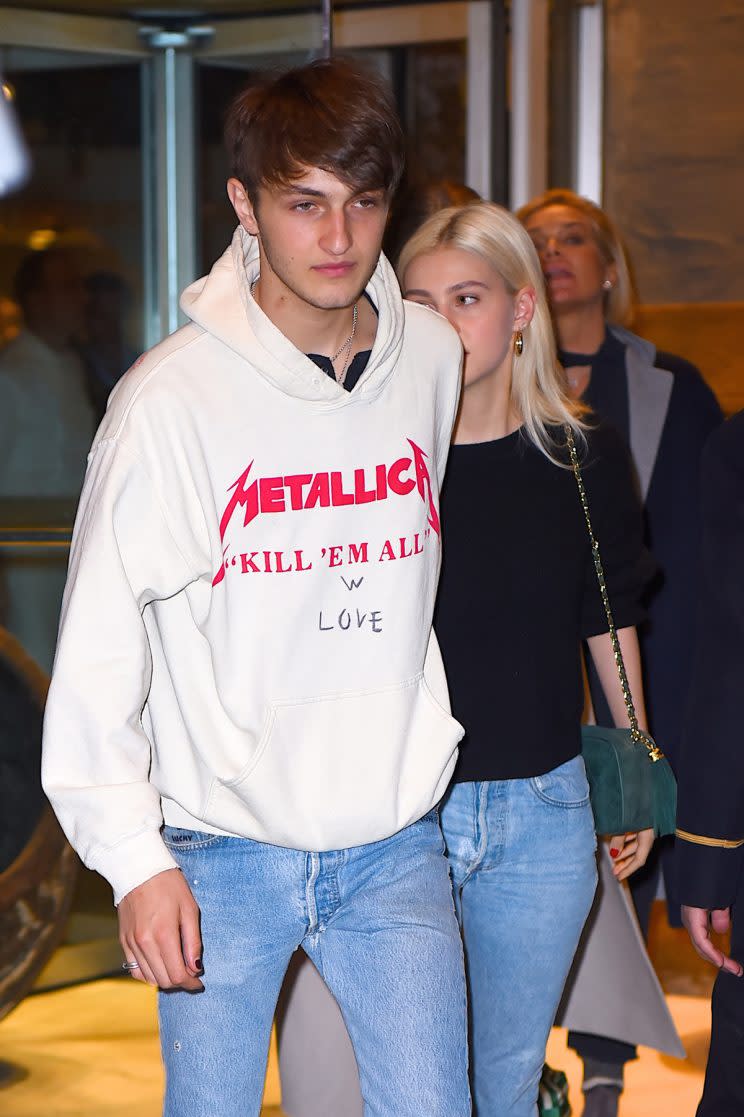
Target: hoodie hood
221 303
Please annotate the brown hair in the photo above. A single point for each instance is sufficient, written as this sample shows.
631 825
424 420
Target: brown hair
420 201
618 301
31 275
331 114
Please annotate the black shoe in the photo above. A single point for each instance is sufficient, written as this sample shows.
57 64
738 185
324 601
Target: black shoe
602 1101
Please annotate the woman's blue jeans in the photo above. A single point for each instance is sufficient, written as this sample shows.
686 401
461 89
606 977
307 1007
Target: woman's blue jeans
522 858
379 923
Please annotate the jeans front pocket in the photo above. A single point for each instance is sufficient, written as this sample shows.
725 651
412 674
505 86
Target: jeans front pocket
564 786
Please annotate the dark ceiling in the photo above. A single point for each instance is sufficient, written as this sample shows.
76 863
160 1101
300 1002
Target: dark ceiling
189 8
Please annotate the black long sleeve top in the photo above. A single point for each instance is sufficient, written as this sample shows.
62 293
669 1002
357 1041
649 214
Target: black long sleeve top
518 593
710 815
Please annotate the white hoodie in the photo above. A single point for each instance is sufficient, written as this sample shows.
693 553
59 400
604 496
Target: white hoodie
245 644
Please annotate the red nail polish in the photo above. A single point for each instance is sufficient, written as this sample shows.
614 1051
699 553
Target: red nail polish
614 852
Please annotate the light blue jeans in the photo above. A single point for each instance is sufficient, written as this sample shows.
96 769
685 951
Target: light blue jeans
522 858
379 923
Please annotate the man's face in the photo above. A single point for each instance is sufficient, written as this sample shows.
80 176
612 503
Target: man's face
319 238
58 304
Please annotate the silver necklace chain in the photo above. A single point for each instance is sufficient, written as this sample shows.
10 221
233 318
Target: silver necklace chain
346 347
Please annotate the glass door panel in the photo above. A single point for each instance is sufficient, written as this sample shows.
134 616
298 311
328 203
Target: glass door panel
71 322
438 58
239 52
71 309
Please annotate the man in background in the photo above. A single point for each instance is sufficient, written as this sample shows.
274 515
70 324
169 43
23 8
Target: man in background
106 350
710 834
46 426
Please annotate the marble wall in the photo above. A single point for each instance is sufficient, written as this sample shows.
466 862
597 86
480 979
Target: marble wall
674 144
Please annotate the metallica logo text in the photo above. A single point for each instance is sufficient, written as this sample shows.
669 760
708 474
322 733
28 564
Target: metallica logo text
299 492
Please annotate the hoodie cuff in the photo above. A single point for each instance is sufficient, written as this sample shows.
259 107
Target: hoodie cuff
132 861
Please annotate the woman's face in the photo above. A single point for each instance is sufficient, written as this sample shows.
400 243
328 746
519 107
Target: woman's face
575 270
469 293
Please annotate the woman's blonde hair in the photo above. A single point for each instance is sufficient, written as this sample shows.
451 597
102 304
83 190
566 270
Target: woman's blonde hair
620 299
539 389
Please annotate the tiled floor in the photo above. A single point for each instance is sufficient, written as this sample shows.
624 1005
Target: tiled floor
655 1085
91 1050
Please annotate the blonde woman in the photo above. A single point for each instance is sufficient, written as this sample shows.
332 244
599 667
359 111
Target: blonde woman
518 594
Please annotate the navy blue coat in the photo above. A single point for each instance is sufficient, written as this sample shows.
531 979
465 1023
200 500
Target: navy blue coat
666 411
710 764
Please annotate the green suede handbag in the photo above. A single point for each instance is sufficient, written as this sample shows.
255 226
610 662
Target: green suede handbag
632 786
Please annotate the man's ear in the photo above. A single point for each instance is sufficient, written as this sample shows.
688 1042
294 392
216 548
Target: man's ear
243 206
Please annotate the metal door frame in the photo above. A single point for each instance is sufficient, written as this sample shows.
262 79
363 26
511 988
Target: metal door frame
168 113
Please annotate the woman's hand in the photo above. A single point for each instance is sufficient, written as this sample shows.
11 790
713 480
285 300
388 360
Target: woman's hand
629 852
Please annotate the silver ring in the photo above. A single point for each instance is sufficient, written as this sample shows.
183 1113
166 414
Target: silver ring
129 966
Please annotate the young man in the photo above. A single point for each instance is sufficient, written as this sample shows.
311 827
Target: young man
245 652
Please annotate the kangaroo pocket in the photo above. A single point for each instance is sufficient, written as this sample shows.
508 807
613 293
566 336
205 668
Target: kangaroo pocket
339 771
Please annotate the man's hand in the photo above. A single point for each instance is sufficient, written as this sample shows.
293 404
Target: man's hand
699 923
629 852
159 929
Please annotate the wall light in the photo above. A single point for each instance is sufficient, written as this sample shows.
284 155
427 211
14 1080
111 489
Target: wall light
40 239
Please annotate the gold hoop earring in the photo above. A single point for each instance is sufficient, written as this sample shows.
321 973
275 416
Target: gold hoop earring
518 343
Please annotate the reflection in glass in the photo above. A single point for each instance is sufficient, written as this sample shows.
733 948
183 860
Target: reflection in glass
70 308
216 88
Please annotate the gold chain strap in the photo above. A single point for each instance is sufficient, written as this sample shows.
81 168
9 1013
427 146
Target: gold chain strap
637 734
